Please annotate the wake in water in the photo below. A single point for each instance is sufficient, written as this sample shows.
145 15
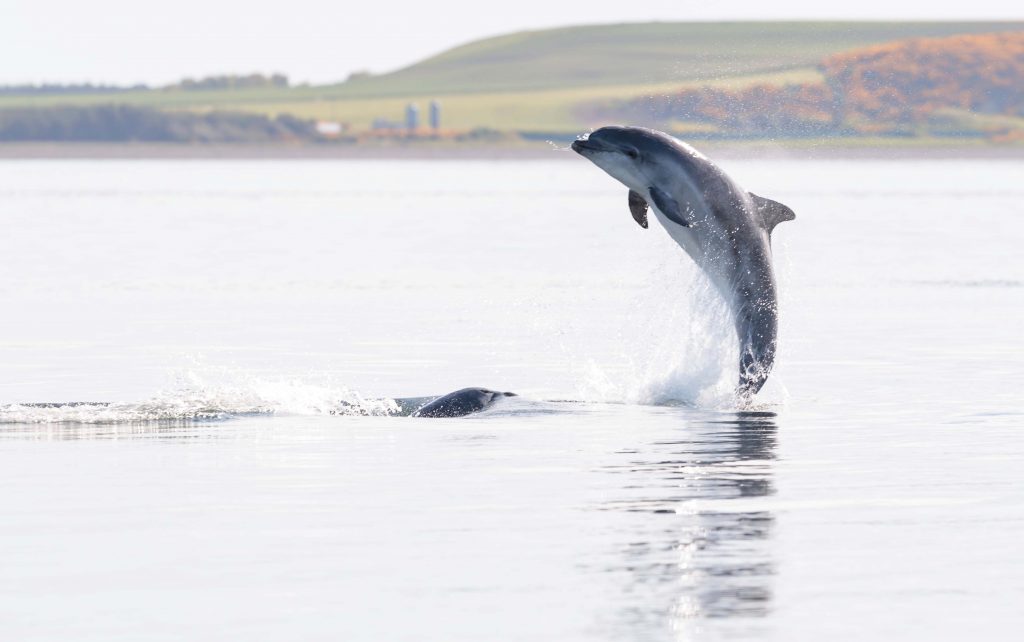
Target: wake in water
294 398
185 406
674 347
232 396
220 394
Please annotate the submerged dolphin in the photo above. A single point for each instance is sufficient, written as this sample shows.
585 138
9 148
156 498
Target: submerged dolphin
725 229
454 404
460 403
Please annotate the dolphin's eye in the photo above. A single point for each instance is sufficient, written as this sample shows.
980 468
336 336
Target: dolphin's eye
632 153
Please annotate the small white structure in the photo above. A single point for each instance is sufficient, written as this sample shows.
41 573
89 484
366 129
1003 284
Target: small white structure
329 128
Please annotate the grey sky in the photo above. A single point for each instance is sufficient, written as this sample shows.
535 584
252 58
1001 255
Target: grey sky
127 41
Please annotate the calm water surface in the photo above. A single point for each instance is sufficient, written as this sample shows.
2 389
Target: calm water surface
231 309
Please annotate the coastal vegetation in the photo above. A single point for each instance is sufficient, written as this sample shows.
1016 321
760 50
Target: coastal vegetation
933 86
127 123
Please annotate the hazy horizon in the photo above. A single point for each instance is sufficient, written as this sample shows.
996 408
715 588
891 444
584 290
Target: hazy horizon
320 42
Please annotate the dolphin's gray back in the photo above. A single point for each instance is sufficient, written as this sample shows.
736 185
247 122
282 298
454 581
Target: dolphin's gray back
460 403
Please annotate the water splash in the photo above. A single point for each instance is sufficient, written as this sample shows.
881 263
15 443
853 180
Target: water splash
209 395
555 147
675 346
568 148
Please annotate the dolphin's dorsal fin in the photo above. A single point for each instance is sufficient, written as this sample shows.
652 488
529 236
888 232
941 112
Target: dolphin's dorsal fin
638 208
772 212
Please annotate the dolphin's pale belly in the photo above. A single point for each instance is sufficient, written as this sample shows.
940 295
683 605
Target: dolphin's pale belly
745 281
717 271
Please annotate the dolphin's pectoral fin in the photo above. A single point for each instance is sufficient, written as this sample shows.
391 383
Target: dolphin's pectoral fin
772 212
638 208
668 206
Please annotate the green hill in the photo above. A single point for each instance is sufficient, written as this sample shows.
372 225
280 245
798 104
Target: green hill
536 80
643 54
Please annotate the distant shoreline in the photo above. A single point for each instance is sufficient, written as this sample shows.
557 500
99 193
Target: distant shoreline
718 149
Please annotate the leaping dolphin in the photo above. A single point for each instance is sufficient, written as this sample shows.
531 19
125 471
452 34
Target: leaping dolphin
725 229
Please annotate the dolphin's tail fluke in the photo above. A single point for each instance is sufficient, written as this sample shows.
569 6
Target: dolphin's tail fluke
757 334
753 373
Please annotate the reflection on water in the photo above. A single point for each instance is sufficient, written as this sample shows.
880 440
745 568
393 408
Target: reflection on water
174 430
699 548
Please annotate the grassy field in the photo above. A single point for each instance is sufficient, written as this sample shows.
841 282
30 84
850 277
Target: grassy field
535 81
647 53
553 110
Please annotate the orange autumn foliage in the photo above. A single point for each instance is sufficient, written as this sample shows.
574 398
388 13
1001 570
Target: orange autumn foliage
874 89
905 81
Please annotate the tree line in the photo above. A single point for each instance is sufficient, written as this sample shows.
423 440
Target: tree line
54 88
250 81
224 81
126 123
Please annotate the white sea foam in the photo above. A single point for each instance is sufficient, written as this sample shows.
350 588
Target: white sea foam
675 346
210 395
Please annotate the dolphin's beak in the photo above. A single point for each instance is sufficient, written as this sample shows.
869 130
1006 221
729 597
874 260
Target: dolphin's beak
585 144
